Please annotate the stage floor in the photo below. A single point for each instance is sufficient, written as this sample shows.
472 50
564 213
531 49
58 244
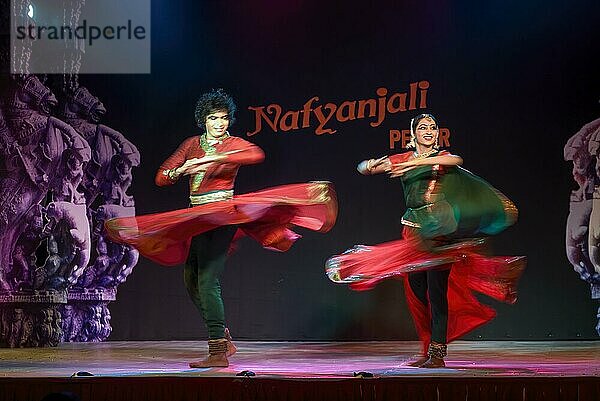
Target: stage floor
305 359
294 371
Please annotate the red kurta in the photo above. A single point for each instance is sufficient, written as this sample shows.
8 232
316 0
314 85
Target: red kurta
218 176
266 216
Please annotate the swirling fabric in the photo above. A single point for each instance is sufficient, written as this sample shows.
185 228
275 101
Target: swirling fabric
450 212
268 216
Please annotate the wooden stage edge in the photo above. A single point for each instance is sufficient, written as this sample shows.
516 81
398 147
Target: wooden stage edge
490 370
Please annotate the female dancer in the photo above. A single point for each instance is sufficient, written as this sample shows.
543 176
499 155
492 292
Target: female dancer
201 235
439 256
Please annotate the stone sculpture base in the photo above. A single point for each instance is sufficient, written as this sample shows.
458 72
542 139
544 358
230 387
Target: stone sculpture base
46 318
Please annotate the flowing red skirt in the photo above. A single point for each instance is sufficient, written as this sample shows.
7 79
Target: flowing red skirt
364 266
266 216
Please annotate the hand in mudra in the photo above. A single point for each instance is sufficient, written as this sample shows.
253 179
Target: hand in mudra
197 165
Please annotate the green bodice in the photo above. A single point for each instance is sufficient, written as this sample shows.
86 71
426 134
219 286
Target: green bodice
449 201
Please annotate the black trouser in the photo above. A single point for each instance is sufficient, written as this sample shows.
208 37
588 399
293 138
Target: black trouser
431 288
205 262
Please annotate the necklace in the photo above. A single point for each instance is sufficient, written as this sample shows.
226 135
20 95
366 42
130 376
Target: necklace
417 155
209 148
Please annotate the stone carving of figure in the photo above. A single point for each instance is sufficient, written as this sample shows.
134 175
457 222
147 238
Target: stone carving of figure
84 111
49 327
33 147
7 182
26 331
63 172
19 328
50 276
101 264
71 247
106 328
92 323
67 323
577 151
108 176
71 173
115 262
24 257
580 225
16 328
594 225
583 222
56 332
71 323
118 180
4 327
98 275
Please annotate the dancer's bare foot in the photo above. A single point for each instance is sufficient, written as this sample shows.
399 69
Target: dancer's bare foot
211 361
217 355
433 363
421 359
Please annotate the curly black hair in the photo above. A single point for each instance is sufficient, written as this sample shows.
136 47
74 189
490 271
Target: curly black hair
213 101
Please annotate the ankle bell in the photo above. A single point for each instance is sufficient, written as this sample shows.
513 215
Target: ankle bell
437 350
218 346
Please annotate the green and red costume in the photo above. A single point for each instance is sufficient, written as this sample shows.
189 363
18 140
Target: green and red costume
449 213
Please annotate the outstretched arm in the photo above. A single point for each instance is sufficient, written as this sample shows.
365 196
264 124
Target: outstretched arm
178 163
248 154
244 153
374 166
445 159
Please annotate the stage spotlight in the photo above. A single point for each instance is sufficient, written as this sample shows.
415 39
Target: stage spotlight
82 374
363 375
246 373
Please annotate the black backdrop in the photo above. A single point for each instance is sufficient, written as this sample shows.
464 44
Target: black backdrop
512 80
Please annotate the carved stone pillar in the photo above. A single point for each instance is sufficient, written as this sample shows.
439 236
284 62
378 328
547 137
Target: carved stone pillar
60 180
